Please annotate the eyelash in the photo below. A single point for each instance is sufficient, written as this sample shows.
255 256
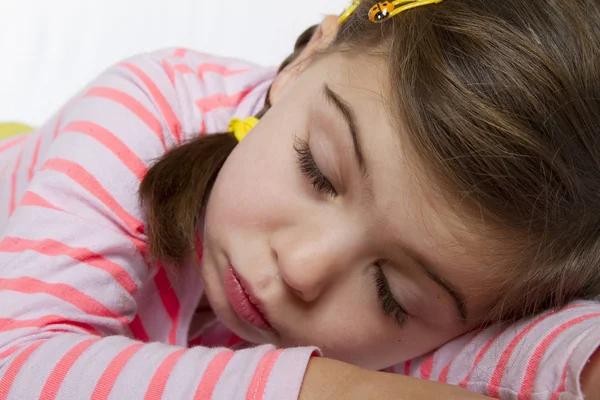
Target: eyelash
311 171
389 305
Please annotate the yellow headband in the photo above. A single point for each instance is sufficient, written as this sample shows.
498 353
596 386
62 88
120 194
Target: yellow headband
385 10
241 128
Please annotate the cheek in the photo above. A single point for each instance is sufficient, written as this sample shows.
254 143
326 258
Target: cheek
374 343
255 185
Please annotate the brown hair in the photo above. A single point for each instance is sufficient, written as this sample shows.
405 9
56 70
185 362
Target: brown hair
501 100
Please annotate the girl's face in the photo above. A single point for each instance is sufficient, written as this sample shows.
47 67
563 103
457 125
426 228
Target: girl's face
322 217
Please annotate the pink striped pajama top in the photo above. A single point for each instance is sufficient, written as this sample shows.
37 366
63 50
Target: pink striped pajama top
83 315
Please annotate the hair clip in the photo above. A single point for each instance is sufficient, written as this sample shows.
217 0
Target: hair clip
385 10
349 11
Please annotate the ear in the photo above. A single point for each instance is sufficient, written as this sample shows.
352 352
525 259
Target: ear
321 39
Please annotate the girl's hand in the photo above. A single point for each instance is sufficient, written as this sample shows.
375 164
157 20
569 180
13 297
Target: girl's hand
590 378
329 379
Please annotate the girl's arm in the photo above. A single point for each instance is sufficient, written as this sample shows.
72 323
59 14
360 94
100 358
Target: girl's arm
554 355
539 358
76 290
327 379
590 378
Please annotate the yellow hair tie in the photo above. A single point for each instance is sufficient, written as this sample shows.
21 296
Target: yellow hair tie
241 128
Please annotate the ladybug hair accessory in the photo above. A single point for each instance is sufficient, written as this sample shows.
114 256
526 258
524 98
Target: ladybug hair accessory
385 10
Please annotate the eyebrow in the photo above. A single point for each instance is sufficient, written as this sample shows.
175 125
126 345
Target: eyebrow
457 295
349 115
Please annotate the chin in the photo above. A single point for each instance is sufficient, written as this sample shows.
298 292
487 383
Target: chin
237 327
220 306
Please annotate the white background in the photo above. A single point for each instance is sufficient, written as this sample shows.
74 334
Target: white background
49 49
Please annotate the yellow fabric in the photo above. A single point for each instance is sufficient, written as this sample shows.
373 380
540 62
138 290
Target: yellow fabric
12 129
241 128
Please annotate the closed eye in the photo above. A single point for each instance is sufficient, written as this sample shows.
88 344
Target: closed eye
310 169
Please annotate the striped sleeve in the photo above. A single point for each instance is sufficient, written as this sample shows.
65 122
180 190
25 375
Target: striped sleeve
73 273
535 359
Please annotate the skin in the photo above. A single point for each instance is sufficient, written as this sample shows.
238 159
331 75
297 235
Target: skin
590 378
327 379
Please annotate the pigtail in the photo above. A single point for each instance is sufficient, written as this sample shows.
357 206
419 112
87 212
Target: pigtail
175 190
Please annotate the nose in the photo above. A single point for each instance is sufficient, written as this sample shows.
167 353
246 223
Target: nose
312 260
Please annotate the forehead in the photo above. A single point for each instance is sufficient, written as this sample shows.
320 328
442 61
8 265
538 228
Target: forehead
364 74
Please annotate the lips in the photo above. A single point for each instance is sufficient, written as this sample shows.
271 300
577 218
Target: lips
243 302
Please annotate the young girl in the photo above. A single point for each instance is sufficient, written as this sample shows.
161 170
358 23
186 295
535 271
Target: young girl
424 179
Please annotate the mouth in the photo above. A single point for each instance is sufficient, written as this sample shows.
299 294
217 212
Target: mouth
244 302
